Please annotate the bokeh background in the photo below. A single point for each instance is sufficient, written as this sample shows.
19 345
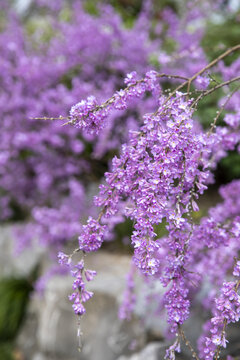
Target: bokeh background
53 54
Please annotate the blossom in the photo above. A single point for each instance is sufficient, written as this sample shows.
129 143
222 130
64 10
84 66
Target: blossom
89 274
63 259
227 310
78 307
92 236
236 271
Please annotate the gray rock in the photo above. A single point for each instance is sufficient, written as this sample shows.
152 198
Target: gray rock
156 351
153 351
22 6
111 279
39 356
23 263
104 335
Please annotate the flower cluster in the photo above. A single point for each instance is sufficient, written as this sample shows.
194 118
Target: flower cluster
88 116
92 236
155 172
227 310
80 294
80 274
84 110
159 175
177 304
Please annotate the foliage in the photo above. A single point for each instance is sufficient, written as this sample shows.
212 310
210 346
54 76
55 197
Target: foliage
14 298
6 351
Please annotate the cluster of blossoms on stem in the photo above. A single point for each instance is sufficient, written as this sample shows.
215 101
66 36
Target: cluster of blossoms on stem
154 171
175 347
80 295
227 310
92 236
177 304
160 173
155 178
90 117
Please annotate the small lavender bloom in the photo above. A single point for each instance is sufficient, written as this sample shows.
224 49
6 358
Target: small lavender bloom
86 295
78 283
78 307
63 259
170 352
89 274
72 296
236 271
131 78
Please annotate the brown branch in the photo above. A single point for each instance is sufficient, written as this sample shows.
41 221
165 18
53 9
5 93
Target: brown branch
50 118
187 83
111 99
187 343
221 110
212 63
208 92
207 67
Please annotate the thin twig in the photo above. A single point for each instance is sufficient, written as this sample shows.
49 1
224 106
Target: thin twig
50 118
221 110
187 342
207 67
187 83
212 63
208 92
111 99
213 79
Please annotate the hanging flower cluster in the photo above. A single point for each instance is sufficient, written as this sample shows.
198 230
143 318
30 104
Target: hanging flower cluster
81 275
160 173
226 311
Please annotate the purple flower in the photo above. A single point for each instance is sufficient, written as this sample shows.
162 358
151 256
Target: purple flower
78 307
86 295
131 78
63 259
236 271
92 236
89 274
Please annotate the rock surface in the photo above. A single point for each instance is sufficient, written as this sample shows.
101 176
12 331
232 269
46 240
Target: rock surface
153 351
21 264
104 335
